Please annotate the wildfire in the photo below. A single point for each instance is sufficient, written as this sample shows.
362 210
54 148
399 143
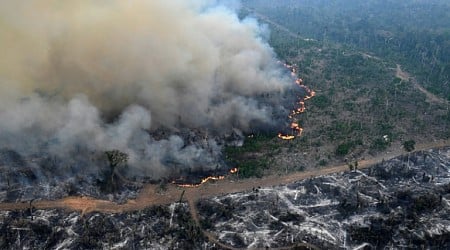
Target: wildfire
300 106
203 181
311 95
295 127
285 137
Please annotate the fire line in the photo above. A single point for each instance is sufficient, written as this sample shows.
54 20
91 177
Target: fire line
206 179
297 130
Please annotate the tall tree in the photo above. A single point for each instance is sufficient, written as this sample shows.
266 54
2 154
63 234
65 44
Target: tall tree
409 146
115 158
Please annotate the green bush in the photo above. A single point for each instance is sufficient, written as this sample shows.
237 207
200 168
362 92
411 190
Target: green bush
379 144
343 149
346 147
253 168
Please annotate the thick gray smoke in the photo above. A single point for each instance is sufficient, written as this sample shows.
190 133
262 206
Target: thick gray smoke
101 75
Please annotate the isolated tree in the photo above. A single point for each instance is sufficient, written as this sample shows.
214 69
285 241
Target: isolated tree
162 185
115 158
350 166
409 146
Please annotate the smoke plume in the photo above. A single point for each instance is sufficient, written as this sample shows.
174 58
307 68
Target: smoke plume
88 76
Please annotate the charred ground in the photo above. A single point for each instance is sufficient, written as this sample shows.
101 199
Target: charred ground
399 202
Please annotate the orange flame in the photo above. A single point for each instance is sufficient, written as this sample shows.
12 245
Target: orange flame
296 129
234 170
311 95
285 137
204 180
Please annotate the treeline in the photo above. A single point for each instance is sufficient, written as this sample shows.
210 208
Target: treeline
415 33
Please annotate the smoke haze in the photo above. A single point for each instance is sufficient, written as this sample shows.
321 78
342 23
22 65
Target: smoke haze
101 74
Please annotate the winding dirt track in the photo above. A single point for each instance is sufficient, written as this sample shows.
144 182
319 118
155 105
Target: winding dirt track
405 76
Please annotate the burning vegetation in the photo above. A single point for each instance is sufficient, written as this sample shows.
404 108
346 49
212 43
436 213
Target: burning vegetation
296 129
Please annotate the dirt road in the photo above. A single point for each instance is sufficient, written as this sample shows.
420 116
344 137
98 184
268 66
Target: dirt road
431 98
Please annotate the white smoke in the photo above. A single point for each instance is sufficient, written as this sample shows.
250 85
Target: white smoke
102 74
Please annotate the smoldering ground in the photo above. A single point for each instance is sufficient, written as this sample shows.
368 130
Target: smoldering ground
81 77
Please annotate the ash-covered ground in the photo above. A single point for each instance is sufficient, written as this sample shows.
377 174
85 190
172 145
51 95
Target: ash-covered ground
161 227
393 204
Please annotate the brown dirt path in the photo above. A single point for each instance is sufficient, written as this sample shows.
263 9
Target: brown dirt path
405 76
